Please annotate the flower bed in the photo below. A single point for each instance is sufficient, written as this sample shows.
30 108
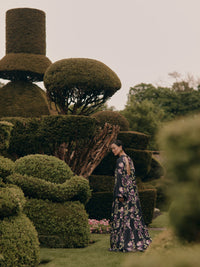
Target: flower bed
99 227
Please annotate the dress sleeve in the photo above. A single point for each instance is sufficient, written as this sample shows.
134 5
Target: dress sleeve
121 184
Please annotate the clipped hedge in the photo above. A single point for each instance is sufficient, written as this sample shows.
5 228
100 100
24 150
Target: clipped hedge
6 167
44 167
156 171
141 159
59 225
22 99
12 201
135 140
76 188
111 117
101 183
19 244
5 132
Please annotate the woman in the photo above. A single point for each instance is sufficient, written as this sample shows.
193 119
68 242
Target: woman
128 230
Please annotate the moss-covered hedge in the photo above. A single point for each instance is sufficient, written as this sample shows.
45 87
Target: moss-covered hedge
76 188
59 225
5 132
45 167
6 166
141 158
23 99
111 117
135 140
12 201
19 244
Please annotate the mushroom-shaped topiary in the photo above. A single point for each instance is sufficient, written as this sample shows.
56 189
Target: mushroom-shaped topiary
80 85
23 99
112 117
25 45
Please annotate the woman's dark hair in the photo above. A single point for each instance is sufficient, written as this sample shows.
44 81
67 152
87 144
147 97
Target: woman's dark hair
118 143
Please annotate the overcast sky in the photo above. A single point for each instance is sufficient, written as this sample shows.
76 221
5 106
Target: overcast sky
141 40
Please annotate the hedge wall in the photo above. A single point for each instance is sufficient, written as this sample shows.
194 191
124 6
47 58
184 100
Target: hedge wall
135 140
59 225
5 132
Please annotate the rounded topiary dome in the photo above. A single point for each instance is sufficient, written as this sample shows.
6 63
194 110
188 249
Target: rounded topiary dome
44 167
111 117
25 45
80 82
22 99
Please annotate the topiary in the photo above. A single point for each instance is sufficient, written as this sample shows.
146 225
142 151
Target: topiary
19 244
111 117
44 167
25 45
5 132
135 140
6 167
59 224
80 85
23 99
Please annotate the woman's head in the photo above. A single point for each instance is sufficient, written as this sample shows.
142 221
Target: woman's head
117 147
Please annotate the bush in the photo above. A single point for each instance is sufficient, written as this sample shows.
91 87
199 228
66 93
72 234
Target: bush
12 201
18 242
111 117
6 167
101 183
5 132
59 225
141 159
148 201
44 167
76 188
21 98
135 140
156 170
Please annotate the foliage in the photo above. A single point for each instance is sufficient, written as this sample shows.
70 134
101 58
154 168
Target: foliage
99 227
59 224
111 117
25 45
5 132
181 143
80 85
12 201
21 98
18 242
44 167
156 170
6 166
135 140
101 183
76 188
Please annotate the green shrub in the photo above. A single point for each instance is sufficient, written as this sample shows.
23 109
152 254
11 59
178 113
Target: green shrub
111 117
156 171
76 188
21 98
6 167
18 242
141 159
101 183
59 225
148 203
12 201
5 132
135 140
44 167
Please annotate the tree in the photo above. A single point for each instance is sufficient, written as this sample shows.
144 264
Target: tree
80 85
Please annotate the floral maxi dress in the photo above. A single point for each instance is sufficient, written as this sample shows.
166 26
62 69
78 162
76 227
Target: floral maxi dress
128 230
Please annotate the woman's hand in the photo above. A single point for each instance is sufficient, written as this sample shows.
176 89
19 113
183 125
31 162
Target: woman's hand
121 199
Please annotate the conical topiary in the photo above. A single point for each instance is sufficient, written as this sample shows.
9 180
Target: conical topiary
23 99
25 45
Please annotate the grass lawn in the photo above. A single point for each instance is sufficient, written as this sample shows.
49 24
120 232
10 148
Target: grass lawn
96 254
